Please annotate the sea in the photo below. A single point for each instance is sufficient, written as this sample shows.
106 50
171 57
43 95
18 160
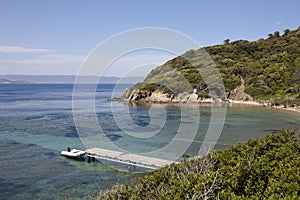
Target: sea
38 121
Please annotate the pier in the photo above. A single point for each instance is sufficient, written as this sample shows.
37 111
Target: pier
127 158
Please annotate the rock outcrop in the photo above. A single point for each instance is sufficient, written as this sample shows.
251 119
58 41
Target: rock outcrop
145 96
138 95
239 94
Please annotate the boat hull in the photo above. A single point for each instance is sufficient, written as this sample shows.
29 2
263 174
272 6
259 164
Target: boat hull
74 153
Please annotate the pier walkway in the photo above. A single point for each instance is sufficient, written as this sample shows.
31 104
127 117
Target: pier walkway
127 158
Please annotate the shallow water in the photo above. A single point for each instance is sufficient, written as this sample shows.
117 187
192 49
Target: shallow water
36 123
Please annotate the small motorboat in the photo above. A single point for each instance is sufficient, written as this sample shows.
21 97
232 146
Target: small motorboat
74 153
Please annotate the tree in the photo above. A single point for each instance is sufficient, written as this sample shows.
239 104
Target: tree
286 32
226 41
270 35
276 34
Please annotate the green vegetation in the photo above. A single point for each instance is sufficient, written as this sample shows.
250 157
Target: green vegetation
270 68
265 168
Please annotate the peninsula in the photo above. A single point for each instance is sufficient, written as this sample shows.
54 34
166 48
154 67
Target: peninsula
266 72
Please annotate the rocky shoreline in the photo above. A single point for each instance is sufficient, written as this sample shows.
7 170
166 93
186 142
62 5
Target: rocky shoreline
137 95
210 101
236 97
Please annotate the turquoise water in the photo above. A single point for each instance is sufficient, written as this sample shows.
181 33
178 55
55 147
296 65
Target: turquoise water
36 123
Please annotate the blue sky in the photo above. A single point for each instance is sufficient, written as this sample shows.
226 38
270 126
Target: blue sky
54 36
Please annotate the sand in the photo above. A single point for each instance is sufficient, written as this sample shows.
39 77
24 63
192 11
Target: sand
255 103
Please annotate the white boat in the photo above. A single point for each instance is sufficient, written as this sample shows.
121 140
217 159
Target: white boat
74 153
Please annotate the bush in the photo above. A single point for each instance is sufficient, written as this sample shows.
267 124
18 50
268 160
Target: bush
266 168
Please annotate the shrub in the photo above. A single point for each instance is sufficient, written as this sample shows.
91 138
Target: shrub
265 168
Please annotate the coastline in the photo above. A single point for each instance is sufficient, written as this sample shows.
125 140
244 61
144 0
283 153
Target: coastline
255 103
294 109
239 98
228 102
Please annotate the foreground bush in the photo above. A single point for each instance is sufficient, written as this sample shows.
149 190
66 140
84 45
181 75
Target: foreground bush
265 168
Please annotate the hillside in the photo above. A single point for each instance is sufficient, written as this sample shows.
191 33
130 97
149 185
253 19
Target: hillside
266 69
265 168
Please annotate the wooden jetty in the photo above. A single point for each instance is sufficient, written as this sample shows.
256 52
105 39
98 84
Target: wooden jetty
127 158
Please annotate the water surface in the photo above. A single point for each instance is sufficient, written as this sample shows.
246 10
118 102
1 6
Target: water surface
36 123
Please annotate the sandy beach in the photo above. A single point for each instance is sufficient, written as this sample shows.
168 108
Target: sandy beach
255 103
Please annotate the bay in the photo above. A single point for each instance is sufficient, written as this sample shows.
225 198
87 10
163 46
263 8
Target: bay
36 123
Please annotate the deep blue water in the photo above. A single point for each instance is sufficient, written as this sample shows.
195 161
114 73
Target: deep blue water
36 123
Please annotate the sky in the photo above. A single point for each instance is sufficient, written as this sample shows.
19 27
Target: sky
54 37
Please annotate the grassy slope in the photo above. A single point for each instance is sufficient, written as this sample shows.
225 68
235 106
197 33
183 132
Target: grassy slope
265 168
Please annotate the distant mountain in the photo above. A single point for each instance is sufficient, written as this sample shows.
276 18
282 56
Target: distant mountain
55 79
6 81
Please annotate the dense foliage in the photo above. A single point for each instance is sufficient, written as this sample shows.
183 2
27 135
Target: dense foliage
270 68
265 168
